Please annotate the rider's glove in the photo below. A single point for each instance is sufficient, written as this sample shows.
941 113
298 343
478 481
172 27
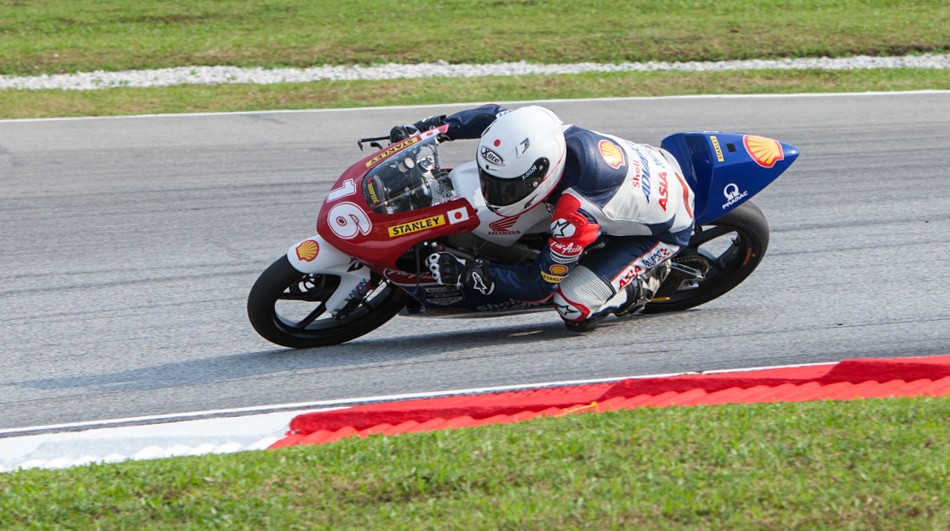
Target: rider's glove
431 122
402 132
450 270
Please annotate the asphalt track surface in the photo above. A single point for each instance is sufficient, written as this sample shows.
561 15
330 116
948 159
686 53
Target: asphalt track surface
129 245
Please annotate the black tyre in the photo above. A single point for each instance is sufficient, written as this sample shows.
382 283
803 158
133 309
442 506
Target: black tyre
286 307
726 251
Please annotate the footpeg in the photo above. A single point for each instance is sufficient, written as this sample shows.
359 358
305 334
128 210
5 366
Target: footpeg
680 277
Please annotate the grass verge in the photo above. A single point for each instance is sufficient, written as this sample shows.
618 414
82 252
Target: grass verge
52 36
866 464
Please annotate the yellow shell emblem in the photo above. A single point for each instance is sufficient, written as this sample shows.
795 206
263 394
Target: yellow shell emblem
764 151
558 269
612 154
308 250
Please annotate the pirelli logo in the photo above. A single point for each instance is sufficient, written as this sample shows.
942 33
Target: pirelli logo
715 143
390 150
416 226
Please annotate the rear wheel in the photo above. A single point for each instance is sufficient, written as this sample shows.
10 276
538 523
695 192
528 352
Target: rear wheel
725 251
288 308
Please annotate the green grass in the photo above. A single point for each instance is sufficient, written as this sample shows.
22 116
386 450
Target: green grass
336 94
874 464
49 36
59 36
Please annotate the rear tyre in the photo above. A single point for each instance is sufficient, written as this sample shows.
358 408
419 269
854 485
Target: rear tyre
726 251
287 307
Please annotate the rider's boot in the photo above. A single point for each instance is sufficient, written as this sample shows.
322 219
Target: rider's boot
631 300
642 289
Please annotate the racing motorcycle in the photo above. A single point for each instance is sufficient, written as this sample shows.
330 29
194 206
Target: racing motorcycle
389 211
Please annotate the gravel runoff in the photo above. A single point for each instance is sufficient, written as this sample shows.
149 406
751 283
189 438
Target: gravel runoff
213 75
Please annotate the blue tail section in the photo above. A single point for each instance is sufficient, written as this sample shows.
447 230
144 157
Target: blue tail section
726 169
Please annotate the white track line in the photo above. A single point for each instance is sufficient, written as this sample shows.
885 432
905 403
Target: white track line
471 104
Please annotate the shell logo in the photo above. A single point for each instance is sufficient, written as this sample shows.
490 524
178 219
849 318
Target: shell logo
764 151
307 250
612 154
559 270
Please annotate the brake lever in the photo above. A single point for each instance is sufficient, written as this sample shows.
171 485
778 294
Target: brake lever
372 142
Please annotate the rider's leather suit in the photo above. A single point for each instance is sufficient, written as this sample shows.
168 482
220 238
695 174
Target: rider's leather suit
629 200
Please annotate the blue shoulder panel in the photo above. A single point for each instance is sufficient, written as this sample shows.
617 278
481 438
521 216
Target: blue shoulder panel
589 174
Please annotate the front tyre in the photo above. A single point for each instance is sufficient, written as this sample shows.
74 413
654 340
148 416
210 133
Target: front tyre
726 251
287 307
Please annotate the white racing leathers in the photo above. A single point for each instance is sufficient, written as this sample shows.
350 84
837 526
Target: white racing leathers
628 200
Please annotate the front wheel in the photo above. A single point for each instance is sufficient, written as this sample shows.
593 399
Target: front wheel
287 307
725 251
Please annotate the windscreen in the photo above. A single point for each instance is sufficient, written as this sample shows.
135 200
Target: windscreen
409 180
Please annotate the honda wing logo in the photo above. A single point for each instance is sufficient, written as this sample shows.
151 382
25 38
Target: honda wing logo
502 227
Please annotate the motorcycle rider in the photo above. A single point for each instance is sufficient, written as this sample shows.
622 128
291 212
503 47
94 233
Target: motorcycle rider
628 200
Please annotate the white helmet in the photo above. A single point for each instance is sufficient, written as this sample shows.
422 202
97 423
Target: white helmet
521 159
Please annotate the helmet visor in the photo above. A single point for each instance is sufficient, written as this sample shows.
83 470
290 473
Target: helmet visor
500 191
